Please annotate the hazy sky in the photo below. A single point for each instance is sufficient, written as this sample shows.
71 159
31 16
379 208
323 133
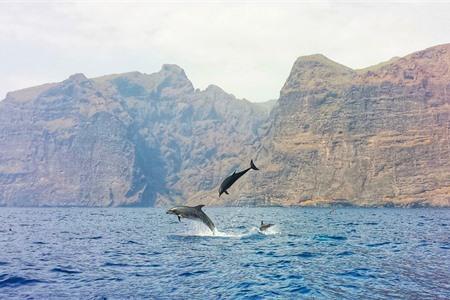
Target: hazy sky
246 47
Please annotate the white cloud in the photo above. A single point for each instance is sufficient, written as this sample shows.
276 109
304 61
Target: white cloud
246 48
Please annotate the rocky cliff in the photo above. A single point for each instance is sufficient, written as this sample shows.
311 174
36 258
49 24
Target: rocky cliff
126 139
377 136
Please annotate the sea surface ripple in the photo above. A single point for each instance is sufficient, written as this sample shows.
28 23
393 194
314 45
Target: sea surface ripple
120 253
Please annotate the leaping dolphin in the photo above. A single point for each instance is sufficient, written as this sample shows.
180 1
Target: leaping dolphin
233 177
264 227
192 213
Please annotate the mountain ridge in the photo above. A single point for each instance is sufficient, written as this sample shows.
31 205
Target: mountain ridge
336 136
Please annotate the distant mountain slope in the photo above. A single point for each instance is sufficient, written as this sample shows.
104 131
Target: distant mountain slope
369 137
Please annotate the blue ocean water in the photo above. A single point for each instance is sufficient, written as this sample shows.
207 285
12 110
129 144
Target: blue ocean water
124 253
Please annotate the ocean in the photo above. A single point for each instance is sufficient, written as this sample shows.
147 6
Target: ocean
143 253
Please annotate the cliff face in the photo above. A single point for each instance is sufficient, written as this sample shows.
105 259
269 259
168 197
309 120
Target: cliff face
377 136
127 139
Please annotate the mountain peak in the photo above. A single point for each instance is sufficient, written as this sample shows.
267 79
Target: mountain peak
77 77
173 69
319 60
315 72
174 79
214 88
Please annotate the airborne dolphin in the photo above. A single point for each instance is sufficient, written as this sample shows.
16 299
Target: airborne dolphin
233 177
193 213
264 227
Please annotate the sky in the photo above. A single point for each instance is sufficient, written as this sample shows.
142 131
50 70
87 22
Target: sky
245 47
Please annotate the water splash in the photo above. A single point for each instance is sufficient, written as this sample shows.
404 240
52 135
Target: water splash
273 230
200 230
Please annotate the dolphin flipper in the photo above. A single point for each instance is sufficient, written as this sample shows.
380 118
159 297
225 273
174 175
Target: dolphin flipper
226 192
179 218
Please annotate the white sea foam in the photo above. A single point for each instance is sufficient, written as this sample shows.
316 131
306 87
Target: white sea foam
199 229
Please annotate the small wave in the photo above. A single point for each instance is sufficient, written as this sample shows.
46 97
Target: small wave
271 276
188 274
445 246
90 238
39 243
306 254
294 235
15 281
371 223
345 253
295 276
98 298
300 289
357 273
154 265
325 237
64 270
280 264
378 244
150 253
111 264
247 284
351 224
130 242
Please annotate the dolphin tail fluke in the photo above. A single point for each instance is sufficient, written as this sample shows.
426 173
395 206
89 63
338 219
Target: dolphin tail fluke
205 219
209 223
252 166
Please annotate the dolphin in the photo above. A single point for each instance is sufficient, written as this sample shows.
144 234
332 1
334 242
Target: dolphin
264 227
233 177
193 213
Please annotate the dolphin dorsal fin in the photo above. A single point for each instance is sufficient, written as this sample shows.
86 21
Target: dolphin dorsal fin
199 206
